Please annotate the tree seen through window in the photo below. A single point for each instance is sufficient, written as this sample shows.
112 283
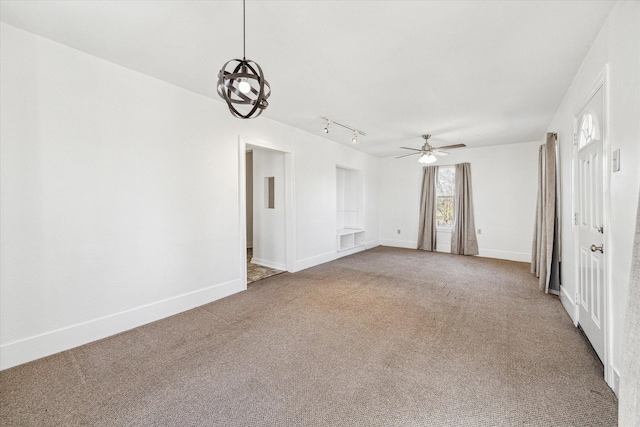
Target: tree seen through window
445 188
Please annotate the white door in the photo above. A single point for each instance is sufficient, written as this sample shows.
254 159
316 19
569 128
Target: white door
591 259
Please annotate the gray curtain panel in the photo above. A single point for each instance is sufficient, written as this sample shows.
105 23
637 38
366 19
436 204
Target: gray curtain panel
629 404
463 233
427 226
536 247
545 225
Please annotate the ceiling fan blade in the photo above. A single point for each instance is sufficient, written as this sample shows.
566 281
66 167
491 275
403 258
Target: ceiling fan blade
411 154
407 148
440 153
448 147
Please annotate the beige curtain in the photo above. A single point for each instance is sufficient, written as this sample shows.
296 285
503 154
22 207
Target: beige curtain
629 404
463 233
427 226
542 254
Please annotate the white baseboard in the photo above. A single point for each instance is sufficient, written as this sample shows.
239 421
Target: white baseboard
332 256
568 303
372 244
270 264
351 251
443 248
508 255
407 244
32 348
565 295
316 260
614 381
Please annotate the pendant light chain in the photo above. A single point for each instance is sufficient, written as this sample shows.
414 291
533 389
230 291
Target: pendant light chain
244 31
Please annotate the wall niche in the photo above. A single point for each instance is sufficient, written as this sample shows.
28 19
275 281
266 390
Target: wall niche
350 202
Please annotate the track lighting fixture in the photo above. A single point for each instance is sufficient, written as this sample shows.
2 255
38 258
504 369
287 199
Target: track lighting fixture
355 131
243 83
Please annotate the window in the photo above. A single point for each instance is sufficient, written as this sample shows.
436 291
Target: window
270 192
445 189
587 130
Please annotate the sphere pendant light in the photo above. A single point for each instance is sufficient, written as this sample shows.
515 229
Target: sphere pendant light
241 82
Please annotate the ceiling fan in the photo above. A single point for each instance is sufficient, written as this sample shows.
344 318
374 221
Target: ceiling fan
429 153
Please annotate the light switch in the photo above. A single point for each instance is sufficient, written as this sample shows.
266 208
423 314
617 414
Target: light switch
615 160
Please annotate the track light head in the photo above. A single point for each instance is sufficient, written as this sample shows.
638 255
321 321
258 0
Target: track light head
330 123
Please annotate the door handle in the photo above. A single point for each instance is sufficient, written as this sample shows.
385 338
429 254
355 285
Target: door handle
595 248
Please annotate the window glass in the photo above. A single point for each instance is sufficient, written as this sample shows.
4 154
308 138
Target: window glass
445 188
270 192
587 130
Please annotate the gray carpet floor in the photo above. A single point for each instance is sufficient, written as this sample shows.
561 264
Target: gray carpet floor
386 337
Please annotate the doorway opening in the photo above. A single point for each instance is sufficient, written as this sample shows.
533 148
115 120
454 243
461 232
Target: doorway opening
256 271
266 209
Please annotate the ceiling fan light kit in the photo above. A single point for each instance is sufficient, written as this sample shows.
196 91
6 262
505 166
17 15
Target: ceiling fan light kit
242 82
428 153
425 159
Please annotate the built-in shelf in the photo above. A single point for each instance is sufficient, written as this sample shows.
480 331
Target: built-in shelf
350 238
349 204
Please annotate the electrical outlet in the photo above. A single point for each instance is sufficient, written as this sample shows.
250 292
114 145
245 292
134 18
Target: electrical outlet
479 230
398 231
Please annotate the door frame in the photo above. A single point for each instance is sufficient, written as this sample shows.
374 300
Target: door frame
289 191
600 83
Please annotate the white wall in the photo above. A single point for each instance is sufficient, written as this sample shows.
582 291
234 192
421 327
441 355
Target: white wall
617 45
120 197
316 202
269 237
504 181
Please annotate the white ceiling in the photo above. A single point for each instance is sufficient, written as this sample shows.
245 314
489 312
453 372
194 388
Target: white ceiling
474 72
